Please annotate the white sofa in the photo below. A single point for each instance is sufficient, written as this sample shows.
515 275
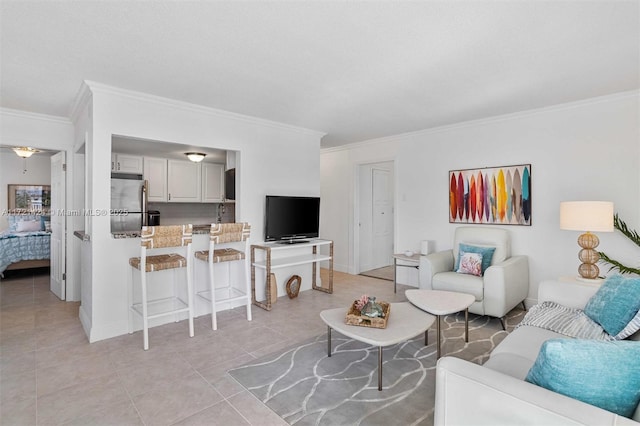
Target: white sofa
504 285
496 393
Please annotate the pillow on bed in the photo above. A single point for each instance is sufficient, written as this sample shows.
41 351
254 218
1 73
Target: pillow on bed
43 222
28 226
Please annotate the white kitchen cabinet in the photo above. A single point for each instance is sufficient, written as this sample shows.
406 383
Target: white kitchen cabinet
155 173
122 163
212 182
184 182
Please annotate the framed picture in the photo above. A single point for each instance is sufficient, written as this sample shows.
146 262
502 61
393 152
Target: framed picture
32 198
492 195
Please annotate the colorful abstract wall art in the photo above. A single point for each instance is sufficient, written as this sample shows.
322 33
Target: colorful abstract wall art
498 195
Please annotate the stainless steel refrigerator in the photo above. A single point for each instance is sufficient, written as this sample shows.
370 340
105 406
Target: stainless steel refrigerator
128 203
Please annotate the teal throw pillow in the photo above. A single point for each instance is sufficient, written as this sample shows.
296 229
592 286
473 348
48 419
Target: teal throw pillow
43 221
486 252
601 373
615 304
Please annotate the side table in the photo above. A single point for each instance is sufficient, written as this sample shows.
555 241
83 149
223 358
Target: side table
410 262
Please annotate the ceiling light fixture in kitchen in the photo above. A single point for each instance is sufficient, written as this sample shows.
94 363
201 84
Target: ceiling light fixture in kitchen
196 157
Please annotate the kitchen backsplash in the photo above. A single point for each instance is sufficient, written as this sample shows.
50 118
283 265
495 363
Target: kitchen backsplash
194 213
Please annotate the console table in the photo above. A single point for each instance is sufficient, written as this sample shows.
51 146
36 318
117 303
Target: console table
269 264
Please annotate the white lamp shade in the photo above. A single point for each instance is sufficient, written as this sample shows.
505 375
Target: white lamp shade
593 216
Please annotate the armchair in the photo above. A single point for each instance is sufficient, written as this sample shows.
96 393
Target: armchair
504 284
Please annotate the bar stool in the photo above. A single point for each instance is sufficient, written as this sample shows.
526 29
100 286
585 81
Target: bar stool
223 234
152 239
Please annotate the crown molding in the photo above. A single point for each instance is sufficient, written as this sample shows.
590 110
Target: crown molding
80 101
488 120
34 116
159 100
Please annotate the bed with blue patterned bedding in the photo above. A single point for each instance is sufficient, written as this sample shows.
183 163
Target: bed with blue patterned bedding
18 246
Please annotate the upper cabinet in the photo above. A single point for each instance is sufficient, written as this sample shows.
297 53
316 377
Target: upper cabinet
155 173
122 163
184 181
212 182
177 181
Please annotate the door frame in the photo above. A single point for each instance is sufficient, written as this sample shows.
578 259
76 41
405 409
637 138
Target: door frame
357 188
59 219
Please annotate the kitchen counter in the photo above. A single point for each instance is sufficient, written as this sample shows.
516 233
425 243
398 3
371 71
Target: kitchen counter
126 234
200 229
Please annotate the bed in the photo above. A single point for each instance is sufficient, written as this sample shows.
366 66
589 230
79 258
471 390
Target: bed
26 244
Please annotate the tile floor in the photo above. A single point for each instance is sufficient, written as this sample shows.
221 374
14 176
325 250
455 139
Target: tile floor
50 374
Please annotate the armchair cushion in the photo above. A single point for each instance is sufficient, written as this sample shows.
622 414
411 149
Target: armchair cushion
485 251
600 373
615 305
460 283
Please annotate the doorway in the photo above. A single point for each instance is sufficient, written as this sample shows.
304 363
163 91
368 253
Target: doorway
376 219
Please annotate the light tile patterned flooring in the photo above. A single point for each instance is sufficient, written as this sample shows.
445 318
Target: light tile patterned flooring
50 374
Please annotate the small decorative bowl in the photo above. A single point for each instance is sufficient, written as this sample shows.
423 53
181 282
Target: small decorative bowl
408 253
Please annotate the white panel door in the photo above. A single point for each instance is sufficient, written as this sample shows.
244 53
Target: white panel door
382 220
58 226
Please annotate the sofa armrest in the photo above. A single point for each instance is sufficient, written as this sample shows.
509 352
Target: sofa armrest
505 285
569 294
432 264
469 394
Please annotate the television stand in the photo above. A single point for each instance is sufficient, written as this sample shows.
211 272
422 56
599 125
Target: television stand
268 264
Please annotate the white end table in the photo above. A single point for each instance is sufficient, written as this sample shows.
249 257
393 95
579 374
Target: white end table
411 262
405 321
440 303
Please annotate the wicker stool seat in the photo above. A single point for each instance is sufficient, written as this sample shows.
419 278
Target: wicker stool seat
160 262
160 237
225 234
220 255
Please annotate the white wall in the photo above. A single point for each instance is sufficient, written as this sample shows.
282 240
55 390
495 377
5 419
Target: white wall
272 159
11 172
580 151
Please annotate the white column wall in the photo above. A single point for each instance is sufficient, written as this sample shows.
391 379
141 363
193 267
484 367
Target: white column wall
272 159
588 150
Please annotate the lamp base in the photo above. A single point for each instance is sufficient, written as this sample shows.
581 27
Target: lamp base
588 256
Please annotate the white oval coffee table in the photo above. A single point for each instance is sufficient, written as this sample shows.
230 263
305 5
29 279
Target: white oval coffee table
405 321
440 303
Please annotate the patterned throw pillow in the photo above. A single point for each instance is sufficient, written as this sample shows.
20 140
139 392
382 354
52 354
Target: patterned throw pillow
471 263
485 251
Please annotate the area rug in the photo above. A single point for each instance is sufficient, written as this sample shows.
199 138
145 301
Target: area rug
384 273
305 387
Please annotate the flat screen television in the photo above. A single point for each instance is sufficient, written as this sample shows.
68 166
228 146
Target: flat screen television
291 219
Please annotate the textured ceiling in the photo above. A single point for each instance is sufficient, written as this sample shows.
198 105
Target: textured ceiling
355 70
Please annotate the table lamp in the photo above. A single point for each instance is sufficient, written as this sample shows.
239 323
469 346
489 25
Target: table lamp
587 216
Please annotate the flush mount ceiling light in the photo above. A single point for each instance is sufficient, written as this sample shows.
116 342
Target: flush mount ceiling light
196 157
24 151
